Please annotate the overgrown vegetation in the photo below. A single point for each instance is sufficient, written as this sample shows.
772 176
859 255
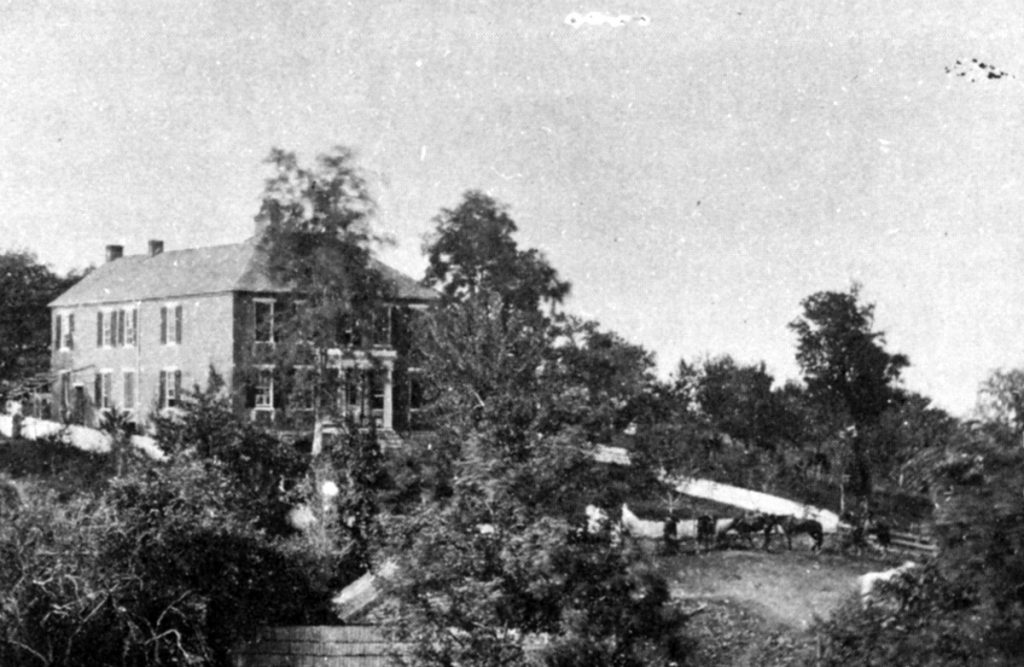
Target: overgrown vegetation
118 560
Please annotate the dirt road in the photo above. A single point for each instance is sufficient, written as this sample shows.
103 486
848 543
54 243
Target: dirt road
759 606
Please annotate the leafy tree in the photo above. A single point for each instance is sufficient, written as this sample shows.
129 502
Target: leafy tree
736 399
319 241
1001 404
472 251
498 557
845 364
26 288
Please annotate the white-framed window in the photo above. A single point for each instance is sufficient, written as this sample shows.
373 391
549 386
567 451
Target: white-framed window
103 389
264 394
64 331
263 321
129 389
171 324
382 326
170 387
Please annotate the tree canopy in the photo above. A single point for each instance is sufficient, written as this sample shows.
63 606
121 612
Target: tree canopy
26 288
843 360
319 240
472 250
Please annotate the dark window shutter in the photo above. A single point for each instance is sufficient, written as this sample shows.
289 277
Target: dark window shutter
71 331
57 332
177 387
177 324
163 389
98 390
278 388
99 329
135 326
120 328
250 395
163 325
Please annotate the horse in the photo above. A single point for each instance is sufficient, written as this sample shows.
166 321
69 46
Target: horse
706 528
749 523
793 526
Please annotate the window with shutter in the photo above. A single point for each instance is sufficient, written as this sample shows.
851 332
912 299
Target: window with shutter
58 338
264 397
163 325
70 335
99 328
177 325
263 321
163 389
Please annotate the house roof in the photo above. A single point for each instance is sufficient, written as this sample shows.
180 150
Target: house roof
237 267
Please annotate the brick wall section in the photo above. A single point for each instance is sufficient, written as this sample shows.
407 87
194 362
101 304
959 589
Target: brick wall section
317 646
207 324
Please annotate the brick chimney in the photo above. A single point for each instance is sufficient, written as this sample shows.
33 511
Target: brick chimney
114 252
155 247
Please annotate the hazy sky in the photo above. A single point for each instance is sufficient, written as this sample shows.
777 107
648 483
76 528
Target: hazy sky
695 168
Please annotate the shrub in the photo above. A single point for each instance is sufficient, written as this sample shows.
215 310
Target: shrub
167 567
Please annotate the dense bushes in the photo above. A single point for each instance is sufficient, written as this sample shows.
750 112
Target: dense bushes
161 569
65 468
166 563
966 607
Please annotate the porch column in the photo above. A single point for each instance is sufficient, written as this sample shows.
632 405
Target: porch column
388 399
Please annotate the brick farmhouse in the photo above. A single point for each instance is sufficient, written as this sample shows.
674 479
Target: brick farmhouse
137 330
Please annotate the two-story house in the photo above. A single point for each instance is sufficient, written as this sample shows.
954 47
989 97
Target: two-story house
137 330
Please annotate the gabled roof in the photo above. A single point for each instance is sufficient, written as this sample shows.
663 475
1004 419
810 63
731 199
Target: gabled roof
238 267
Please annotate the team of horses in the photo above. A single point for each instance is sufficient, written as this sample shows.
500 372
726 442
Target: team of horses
749 524
711 532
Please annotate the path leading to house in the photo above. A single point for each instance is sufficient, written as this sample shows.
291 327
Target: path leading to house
759 606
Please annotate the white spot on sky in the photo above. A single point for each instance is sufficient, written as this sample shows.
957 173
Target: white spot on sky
578 20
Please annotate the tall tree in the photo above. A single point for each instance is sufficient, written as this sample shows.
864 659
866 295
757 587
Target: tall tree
472 251
319 240
845 364
26 287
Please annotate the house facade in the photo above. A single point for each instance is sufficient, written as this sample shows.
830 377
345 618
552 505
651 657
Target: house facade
138 330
